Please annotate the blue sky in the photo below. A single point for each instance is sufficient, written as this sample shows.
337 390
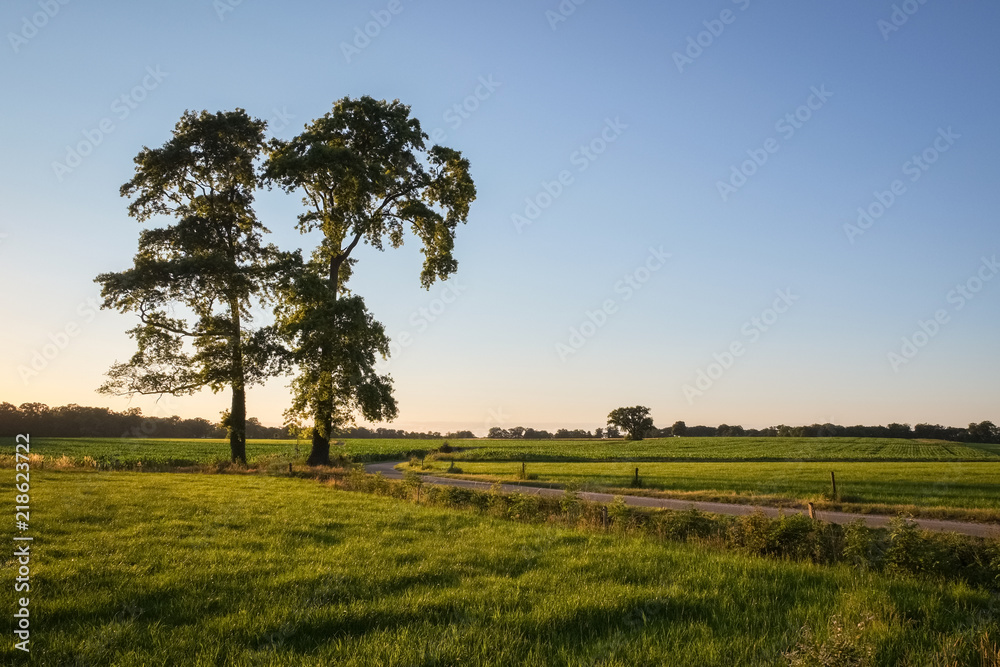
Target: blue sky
832 100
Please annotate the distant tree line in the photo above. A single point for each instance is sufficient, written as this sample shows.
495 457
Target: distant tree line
983 432
76 421
522 433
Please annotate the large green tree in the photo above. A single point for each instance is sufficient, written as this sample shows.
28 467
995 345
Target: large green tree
635 421
193 283
366 175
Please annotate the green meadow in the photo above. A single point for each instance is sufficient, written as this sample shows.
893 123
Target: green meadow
149 451
195 569
947 485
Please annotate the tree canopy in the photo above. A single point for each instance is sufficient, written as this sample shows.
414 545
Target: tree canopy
211 263
365 175
635 421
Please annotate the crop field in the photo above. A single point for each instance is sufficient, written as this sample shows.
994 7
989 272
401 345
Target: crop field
185 569
938 484
833 449
129 451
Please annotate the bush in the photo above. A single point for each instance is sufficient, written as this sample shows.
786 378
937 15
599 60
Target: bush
619 513
685 525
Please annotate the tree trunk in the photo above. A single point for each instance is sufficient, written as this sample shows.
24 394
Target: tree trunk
320 453
238 411
238 426
323 421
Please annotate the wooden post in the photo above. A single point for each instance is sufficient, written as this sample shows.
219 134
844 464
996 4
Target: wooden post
637 483
811 515
833 483
604 517
523 473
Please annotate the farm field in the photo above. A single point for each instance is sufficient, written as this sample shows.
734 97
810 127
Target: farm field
938 484
129 451
137 568
834 449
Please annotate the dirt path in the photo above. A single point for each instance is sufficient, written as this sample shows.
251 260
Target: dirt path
388 470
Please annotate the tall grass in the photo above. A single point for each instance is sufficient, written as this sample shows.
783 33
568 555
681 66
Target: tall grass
135 569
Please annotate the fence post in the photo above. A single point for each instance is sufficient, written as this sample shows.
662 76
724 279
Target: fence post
833 483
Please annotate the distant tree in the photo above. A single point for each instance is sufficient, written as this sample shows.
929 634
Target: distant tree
984 432
532 434
366 175
497 433
679 429
461 435
613 432
635 421
598 432
900 431
516 433
211 263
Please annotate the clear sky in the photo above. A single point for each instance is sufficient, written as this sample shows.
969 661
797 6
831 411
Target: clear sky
660 185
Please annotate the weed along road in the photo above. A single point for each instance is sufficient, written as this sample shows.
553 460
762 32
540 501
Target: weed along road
992 530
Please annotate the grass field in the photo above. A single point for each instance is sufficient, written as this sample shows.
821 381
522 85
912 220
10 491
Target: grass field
834 449
150 451
939 484
179 569
153 451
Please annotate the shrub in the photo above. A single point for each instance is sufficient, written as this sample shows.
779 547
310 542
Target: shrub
792 536
569 503
861 548
752 532
523 507
685 525
619 513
